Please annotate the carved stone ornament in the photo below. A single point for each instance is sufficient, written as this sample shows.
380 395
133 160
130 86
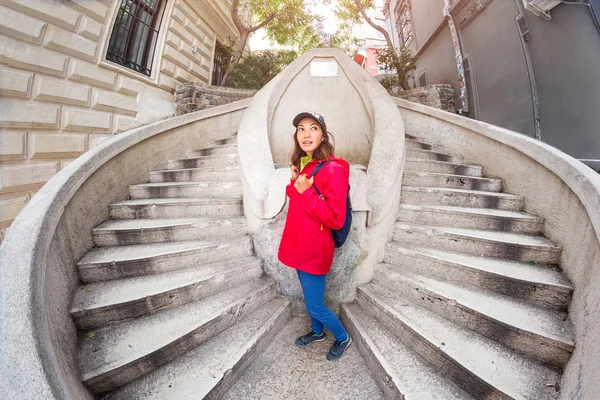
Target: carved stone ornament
465 11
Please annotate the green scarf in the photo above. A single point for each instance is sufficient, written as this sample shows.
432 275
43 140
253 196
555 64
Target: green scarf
305 160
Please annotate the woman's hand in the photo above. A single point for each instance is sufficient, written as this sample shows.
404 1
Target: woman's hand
303 183
295 172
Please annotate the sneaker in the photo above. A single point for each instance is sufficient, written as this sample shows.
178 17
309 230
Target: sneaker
310 337
338 349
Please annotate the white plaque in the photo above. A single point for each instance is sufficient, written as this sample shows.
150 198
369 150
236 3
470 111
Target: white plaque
323 68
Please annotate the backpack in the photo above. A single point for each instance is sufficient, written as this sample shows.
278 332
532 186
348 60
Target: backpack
339 235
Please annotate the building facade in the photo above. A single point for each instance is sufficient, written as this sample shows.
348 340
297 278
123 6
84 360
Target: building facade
72 73
534 73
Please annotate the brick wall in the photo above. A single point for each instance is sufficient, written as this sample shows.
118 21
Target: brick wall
191 97
60 97
438 96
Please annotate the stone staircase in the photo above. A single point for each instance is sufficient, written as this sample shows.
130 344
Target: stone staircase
469 301
171 280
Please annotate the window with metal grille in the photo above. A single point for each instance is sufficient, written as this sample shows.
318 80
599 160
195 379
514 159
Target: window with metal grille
220 64
404 23
135 33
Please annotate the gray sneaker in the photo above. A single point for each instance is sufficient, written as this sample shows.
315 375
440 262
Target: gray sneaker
338 349
310 337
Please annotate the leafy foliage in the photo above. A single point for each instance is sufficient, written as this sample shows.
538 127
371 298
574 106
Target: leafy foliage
349 11
402 60
287 22
389 82
283 20
258 68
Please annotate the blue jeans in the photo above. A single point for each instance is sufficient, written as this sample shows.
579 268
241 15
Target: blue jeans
313 287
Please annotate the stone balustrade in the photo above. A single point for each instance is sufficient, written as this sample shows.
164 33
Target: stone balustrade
190 97
439 96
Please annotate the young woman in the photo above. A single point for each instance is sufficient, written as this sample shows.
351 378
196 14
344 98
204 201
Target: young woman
307 244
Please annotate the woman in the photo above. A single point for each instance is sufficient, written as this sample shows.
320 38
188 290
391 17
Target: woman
307 244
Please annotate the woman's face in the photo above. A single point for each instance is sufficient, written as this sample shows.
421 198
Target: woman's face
309 135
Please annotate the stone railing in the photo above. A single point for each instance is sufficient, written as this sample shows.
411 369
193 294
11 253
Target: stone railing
38 274
559 189
439 96
191 96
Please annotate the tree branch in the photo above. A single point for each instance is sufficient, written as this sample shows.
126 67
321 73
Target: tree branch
236 17
385 34
266 21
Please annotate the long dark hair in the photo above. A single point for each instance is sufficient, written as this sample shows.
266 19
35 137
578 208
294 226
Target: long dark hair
325 150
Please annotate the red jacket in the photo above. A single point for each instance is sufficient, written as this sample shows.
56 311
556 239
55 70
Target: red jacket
307 243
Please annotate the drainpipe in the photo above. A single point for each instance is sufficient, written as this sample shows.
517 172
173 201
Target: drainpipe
525 36
464 99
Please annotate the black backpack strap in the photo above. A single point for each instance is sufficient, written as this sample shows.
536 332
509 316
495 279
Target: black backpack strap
317 168
314 172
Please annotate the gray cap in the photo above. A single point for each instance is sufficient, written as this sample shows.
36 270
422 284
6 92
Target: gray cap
309 114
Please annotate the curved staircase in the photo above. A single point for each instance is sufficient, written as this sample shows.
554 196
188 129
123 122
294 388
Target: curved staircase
172 278
469 302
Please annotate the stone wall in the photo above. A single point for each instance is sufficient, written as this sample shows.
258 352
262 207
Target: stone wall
61 97
438 96
191 97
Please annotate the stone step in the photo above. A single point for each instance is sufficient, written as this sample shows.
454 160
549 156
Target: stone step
287 372
476 363
103 303
226 174
210 369
231 190
468 217
432 179
460 198
219 161
212 151
108 263
538 284
229 140
415 144
539 333
442 167
402 374
115 355
479 242
422 154
145 231
176 208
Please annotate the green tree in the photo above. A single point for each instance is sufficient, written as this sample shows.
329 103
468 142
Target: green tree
401 60
285 22
258 68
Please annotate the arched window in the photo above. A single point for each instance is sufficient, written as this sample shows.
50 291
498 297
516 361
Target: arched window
135 33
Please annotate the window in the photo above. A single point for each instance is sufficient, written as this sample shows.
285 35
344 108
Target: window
134 34
422 80
404 23
382 24
220 64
